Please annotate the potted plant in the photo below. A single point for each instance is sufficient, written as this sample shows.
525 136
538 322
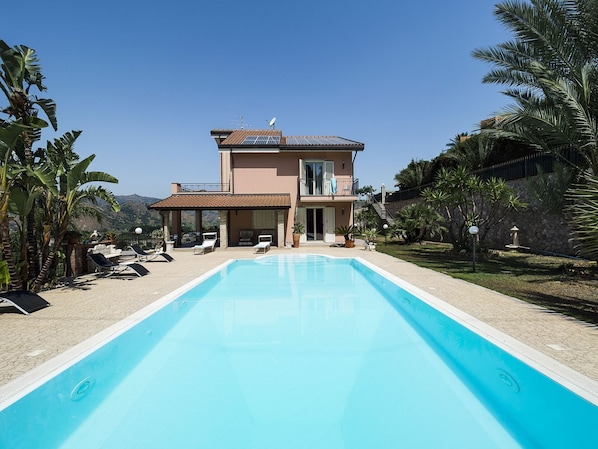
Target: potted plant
349 233
298 229
111 235
370 238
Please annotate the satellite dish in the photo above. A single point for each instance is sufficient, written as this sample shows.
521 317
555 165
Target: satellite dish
271 123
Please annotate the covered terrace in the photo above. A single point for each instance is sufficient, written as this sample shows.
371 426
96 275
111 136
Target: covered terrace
238 215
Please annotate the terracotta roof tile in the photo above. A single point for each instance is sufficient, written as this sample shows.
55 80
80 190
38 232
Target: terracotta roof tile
236 139
188 201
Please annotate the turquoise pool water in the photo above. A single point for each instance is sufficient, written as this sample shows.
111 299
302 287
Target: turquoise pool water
299 352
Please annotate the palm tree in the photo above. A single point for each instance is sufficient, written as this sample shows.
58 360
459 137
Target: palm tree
417 221
19 72
417 173
584 210
71 193
550 190
473 152
455 141
550 70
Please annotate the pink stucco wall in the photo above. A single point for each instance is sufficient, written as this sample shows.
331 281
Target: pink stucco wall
279 173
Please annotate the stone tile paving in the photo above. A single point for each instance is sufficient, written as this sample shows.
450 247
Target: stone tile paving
92 304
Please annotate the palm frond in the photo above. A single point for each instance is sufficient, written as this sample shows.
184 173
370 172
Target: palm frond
584 214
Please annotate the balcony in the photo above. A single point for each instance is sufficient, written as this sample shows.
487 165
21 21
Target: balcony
201 188
316 189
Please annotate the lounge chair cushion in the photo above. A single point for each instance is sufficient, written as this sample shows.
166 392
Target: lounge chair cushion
143 256
104 265
24 301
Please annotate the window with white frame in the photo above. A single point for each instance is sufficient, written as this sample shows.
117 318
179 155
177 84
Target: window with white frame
264 219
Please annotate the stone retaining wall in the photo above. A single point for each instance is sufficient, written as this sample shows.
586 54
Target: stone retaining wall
538 229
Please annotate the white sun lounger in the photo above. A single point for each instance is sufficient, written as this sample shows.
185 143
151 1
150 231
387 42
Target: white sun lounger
263 243
208 244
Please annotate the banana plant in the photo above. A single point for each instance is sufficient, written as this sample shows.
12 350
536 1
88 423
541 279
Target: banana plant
71 191
9 173
23 198
20 71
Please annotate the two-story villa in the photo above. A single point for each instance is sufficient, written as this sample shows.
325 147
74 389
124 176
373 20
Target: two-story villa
269 182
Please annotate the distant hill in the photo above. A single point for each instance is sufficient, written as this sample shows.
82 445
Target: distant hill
133 213
136 199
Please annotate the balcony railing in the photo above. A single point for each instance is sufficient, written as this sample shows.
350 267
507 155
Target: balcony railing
204 187
328 187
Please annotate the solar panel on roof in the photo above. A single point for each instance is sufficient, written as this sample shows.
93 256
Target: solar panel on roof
261 140
317 141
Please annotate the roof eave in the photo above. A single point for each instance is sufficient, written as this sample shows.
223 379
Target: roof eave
320 148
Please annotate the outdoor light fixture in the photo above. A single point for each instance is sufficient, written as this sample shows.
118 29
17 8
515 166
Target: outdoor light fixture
138 231
385 226
474 230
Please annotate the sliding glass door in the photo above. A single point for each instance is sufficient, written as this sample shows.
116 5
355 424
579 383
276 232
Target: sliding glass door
318 222
315 224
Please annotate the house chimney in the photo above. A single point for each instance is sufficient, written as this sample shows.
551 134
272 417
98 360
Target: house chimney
383 194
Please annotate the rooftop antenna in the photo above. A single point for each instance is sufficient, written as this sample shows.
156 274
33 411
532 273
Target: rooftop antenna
240 123
272 122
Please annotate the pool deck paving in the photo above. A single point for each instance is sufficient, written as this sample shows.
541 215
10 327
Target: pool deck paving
91 304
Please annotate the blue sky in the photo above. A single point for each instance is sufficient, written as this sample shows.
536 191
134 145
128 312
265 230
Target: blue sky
146 81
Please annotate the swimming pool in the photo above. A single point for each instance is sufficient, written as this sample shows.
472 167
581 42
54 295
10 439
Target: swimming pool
299 351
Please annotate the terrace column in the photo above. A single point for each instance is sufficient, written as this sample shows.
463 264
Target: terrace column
198 223
165 214
223 218
176 226
280 228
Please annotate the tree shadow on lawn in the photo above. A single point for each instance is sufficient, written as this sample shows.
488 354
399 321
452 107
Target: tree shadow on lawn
560 285
486 263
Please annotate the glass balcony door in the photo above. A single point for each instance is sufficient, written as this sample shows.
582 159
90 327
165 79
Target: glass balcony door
315 224
314 177
319 223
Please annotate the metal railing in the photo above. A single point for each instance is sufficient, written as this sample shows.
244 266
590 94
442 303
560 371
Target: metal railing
524 167
203 187
528 166
379 208
328 187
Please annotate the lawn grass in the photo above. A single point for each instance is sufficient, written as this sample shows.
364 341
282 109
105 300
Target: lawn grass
565 285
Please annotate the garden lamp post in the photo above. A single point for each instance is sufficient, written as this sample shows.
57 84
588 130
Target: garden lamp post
385 226
138 231
474 230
